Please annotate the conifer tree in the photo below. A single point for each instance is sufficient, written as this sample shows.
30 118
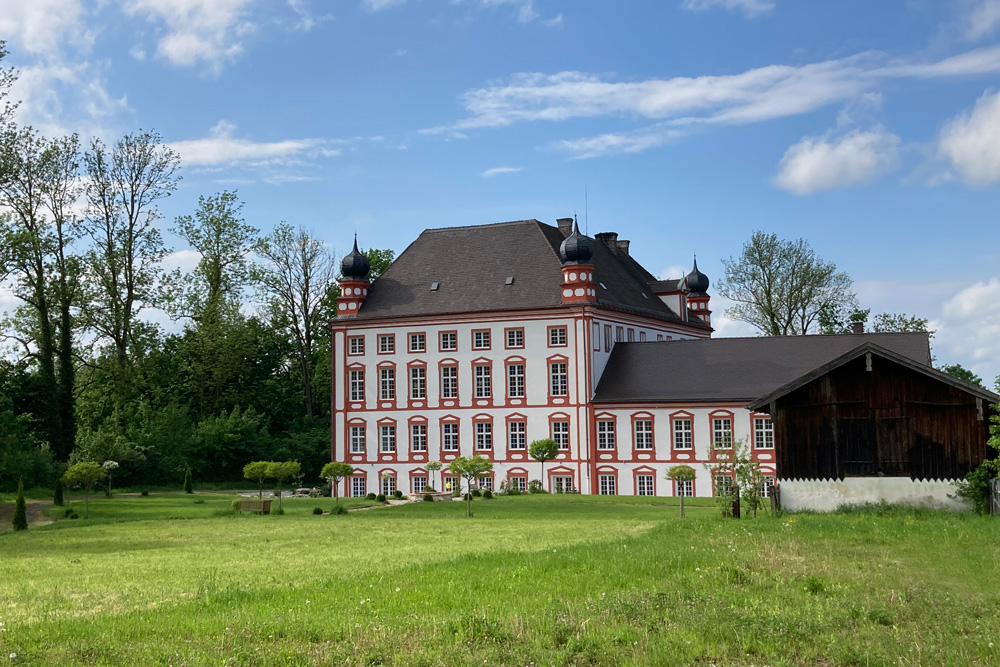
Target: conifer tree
57 499
188 488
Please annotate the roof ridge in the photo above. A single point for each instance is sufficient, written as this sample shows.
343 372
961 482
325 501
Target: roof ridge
489 224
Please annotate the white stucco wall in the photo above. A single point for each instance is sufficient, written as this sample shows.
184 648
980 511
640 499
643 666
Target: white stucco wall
826 495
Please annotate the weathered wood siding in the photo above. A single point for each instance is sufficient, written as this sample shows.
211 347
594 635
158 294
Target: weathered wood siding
891 421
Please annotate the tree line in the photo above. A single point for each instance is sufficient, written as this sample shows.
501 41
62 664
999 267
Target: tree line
85 375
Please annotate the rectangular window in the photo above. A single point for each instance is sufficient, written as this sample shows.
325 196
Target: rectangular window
452 483
515 338
631 335
659 338
558 379
562 483
418 342
388 438
481 340
418 437
605 434
619 334
418 382
357 440
386 344
484 435
557 336
722 432
643 485
356 345
515 381
419 483
682 434
387 383
765 491
516 435
388 485
449 437
607 337
595 334
763 433
449 382
642 336
486 483
685 488
607 485
519 483
643 434
357 385
358 487
723 485
560 433
484 382
449 341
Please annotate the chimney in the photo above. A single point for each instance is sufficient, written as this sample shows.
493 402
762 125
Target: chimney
623 246
857 327
609 239
565 226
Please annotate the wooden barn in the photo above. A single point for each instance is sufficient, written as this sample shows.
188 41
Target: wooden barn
874 413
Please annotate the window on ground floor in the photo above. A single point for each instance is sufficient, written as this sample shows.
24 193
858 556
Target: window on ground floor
388 484
606 485
562 483
358 487
685 488
419 483
643 485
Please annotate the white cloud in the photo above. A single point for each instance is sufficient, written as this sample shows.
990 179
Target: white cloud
525 8
971 330
185 260
58 98
620 143
306 19
749 7
379 5
496 171
982 19
222 148
971 142
197 31
756 95
44 27
821 163
526 11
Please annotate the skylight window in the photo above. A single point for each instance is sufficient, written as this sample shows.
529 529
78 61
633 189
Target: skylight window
434 287
509 281
602 285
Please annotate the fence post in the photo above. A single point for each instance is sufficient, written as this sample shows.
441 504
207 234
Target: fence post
994 496
775 497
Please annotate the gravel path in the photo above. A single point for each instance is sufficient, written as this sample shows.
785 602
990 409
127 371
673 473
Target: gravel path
33 509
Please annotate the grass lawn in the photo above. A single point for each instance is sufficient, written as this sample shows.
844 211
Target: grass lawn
174 579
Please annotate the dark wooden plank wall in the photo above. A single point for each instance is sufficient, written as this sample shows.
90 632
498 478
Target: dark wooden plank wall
891 421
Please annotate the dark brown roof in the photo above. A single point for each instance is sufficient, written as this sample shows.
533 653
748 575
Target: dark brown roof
471 266
879 351
732 369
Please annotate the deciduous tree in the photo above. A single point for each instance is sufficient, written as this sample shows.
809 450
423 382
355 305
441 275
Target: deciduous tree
282 471
257 471
470 469
542 451
85 474
333 473
679 474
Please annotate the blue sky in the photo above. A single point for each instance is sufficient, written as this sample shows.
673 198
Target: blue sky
872 129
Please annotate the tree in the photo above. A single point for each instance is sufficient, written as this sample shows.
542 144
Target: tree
379 260
960 372
834 319
257 471
542 451
7 79
122 267
433 467
297 280
900 323
20 510
109 467
57 498
333 473
85 474
188 486
678 474
470 469
735 463
781 287
282 471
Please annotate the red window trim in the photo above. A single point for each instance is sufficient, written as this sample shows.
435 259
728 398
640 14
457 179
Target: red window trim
472 340
548 335
681 414
506 339
605 417
644 416
441 333
408 350
363 346
378 343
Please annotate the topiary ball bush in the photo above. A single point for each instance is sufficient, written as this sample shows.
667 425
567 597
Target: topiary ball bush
466 496
69 510
476 493
380 497
370 496
339 509
487 494
428 498
397 494
235 505
74 515
317 511
144 494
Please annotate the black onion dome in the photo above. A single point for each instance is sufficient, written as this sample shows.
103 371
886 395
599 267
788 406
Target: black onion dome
576 248
697 281
355 266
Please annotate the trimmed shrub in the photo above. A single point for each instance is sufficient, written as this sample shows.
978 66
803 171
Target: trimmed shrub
280 511
74 515
476 493
339 509
535 486
466 497
397 494
235 505
199 501
69 510
487 494
371 496
428 498
144 493
380 497
317 511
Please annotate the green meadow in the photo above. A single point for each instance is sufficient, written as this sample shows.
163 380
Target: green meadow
175 579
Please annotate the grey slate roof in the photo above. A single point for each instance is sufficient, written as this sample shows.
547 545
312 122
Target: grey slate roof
732 369
471 266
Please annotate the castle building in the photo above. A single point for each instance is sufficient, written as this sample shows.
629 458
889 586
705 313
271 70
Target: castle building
483 339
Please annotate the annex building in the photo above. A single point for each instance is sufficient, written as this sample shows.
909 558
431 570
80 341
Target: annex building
482 339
